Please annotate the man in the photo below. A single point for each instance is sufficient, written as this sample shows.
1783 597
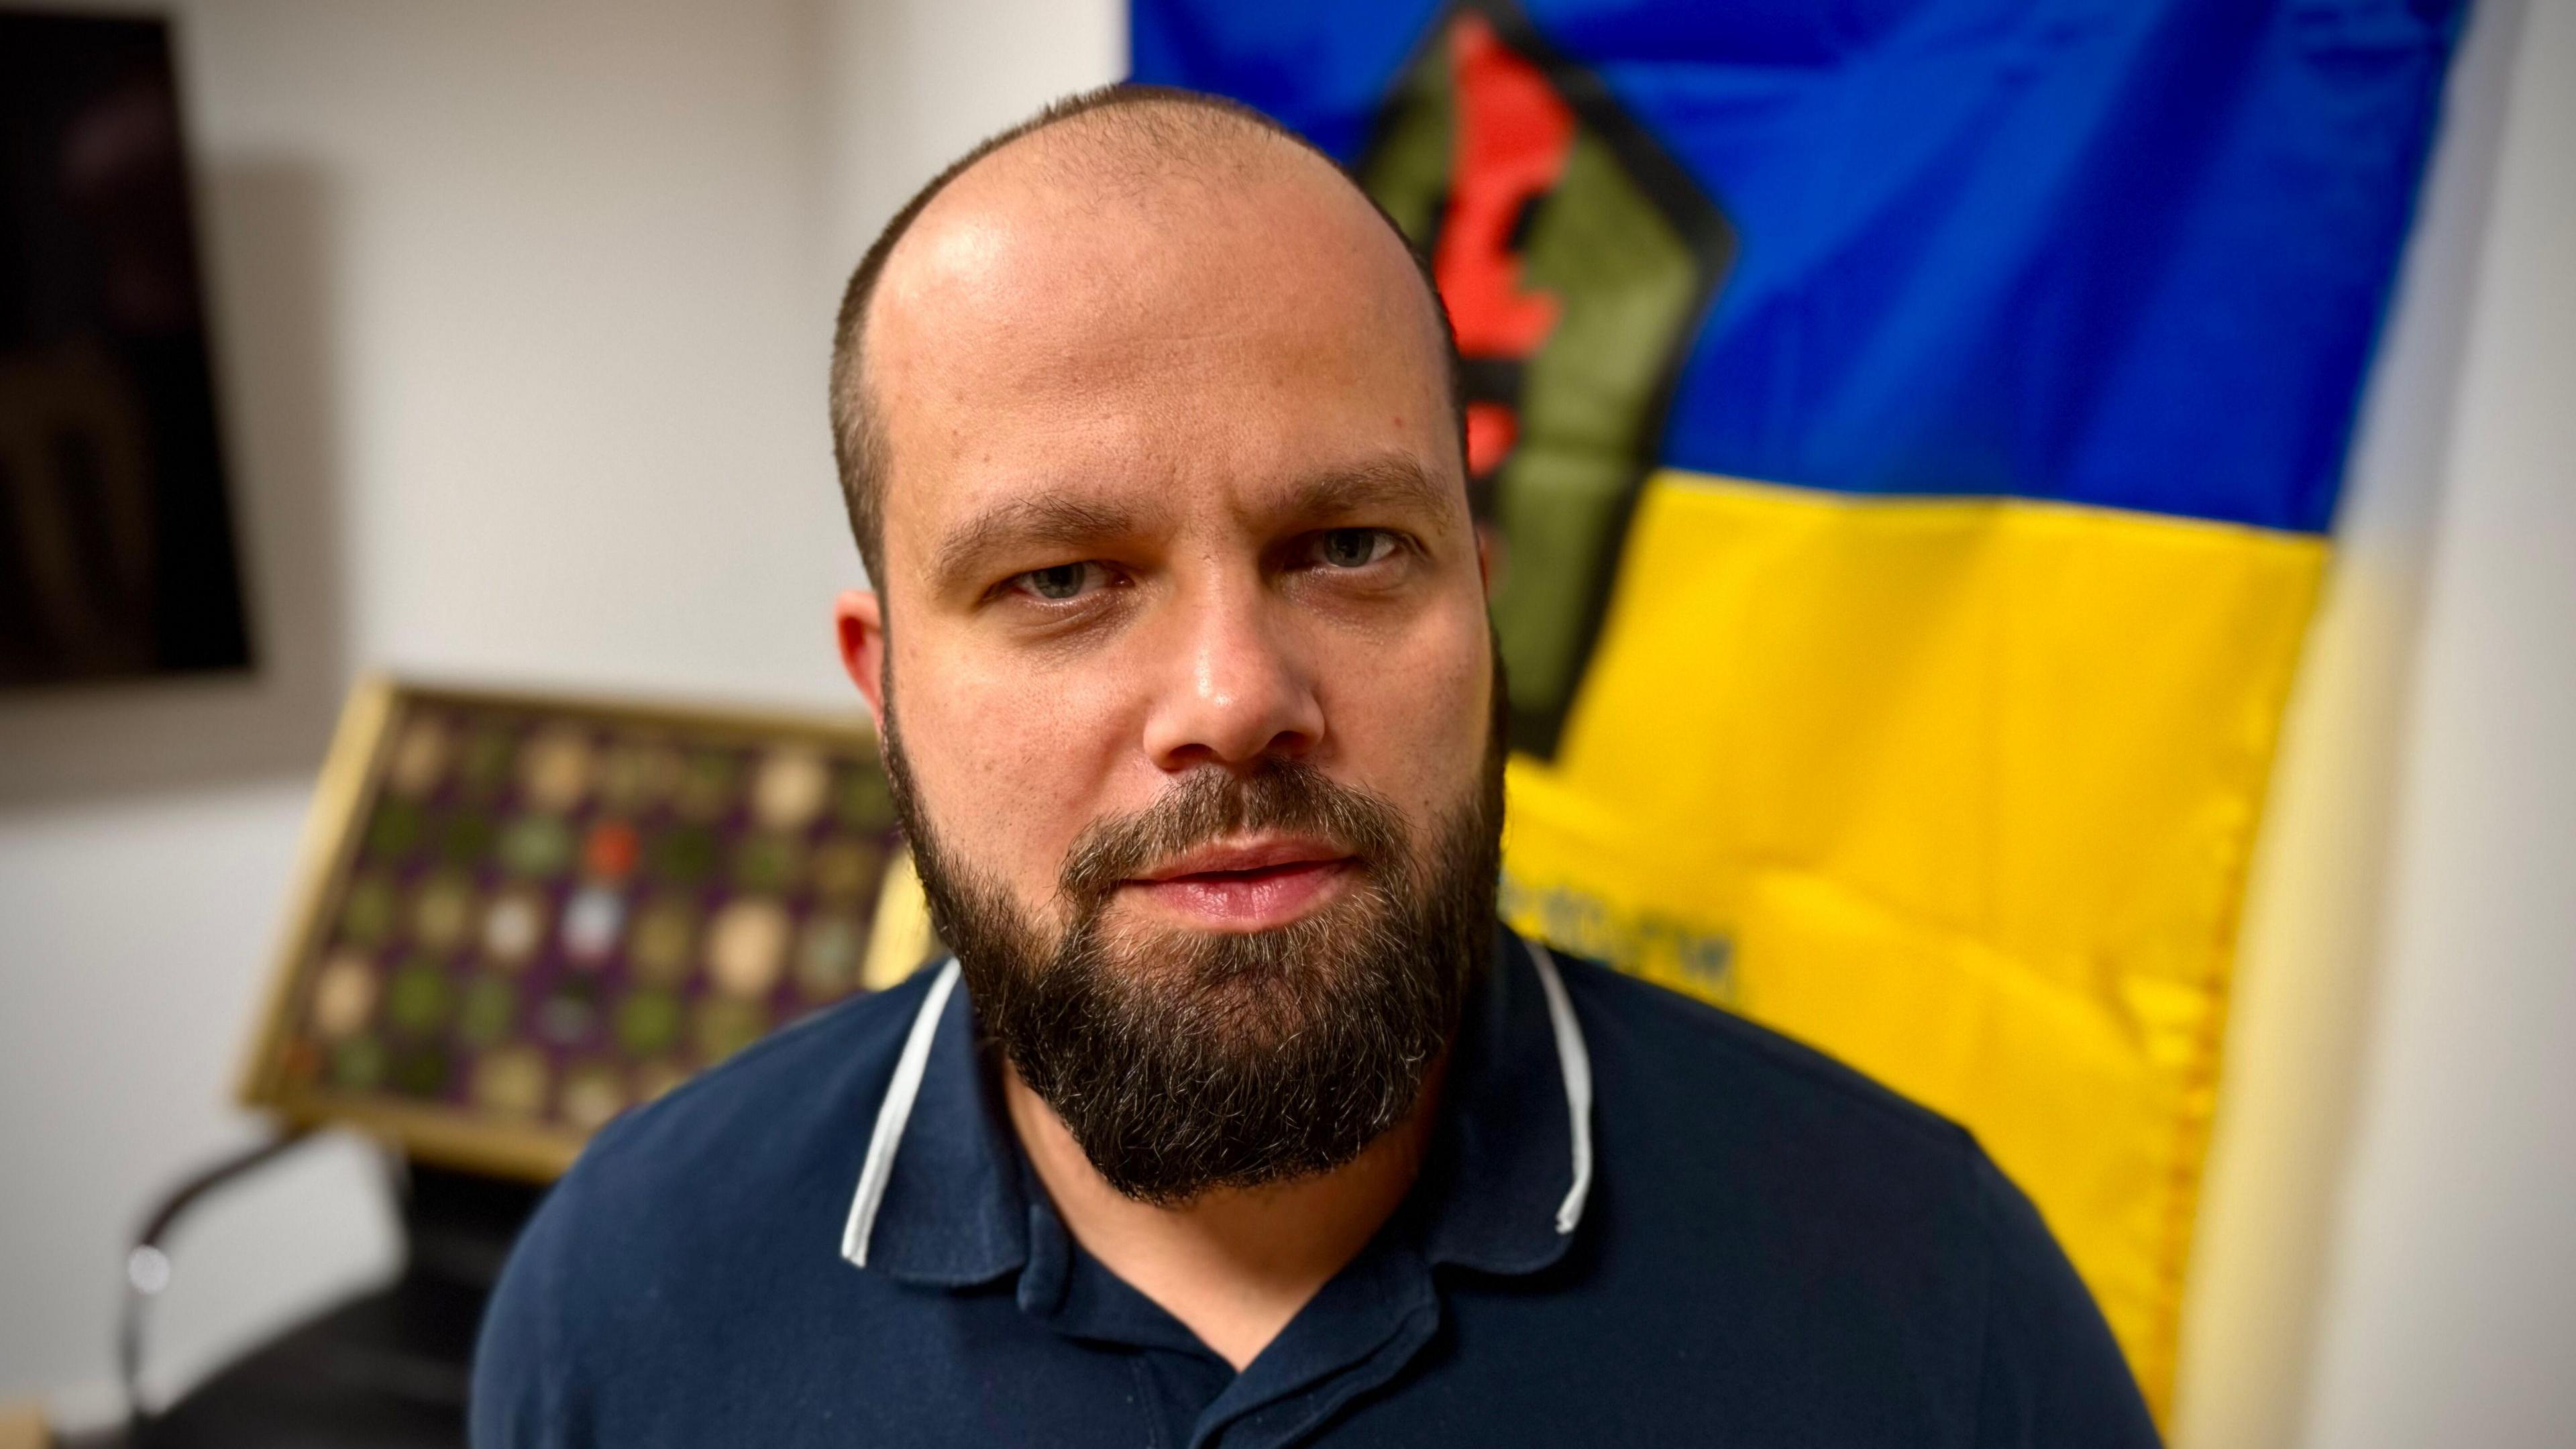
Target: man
1236 1119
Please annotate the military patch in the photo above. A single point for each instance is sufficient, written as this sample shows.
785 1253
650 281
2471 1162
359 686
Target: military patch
1576 258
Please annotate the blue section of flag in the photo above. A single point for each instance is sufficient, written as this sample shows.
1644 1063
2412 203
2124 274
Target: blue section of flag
2130 253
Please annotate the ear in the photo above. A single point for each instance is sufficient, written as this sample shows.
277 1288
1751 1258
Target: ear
859 619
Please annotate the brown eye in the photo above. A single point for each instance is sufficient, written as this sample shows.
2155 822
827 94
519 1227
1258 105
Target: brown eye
1350 548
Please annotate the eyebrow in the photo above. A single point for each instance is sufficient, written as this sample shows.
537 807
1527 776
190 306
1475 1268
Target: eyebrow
1042 519
1390 481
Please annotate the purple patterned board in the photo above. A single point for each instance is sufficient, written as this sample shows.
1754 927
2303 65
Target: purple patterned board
543 914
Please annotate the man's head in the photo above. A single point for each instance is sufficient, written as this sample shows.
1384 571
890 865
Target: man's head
1147 421
1152 124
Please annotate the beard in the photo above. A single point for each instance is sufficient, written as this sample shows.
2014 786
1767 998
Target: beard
1184 1061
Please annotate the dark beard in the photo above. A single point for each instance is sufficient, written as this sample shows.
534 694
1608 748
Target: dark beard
1186 1061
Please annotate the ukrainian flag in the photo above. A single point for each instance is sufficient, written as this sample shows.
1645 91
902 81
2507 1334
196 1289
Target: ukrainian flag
1914 428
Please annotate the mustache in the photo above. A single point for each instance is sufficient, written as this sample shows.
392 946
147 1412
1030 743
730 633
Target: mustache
1211 803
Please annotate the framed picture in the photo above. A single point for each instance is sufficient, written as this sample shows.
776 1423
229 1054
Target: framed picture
117 554
520 915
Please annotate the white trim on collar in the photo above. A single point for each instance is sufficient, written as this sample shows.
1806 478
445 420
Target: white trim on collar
1574 1060
878 1166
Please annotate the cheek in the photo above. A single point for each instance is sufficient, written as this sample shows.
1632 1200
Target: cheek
1413 719
1009 767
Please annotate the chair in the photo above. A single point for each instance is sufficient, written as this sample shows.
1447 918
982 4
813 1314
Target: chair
387 1368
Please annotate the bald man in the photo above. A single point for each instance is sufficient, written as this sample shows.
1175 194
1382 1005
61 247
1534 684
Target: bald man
1236 1119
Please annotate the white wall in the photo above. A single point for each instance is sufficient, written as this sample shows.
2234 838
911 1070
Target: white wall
2386 1253
2450 1316
523 310
135 931
2311 949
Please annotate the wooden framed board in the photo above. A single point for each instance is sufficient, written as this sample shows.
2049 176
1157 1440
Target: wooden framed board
521 914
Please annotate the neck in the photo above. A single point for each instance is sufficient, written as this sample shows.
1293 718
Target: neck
1234 1264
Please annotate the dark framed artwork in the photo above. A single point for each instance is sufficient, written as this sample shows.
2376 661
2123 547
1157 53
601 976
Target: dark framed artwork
117 552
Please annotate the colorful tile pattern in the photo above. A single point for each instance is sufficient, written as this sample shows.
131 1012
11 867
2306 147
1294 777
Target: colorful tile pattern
544 916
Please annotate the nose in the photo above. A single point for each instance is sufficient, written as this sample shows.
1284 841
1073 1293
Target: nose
1233 692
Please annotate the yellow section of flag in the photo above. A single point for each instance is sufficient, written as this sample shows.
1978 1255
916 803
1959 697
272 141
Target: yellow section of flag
1961 792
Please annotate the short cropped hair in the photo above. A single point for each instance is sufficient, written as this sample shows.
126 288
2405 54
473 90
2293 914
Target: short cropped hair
1164 117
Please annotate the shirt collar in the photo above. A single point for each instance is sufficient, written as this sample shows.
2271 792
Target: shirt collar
940 1200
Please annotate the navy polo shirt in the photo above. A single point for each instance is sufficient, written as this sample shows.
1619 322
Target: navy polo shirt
1641 1220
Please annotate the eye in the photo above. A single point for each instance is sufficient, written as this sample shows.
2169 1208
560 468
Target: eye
1062 581
1351 548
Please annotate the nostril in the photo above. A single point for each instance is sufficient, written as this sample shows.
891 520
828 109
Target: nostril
1290 744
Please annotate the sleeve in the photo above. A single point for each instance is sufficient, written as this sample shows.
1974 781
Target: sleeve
2051 1373
521 1376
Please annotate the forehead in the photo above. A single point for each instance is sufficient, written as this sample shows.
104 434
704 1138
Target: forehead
1137 320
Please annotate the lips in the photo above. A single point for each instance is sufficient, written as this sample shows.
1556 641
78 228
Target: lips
1235 858
1245 885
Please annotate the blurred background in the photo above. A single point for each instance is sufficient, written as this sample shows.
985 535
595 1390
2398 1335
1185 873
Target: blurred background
517 317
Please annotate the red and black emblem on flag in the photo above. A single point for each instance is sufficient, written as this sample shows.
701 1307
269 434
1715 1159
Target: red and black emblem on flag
1576 258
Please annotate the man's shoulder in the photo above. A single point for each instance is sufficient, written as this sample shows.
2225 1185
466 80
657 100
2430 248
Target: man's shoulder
1834 1191
1706 1116
1834 1262
780 1124
708 1217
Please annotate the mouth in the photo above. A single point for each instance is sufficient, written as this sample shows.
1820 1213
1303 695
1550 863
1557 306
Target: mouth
1245 885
